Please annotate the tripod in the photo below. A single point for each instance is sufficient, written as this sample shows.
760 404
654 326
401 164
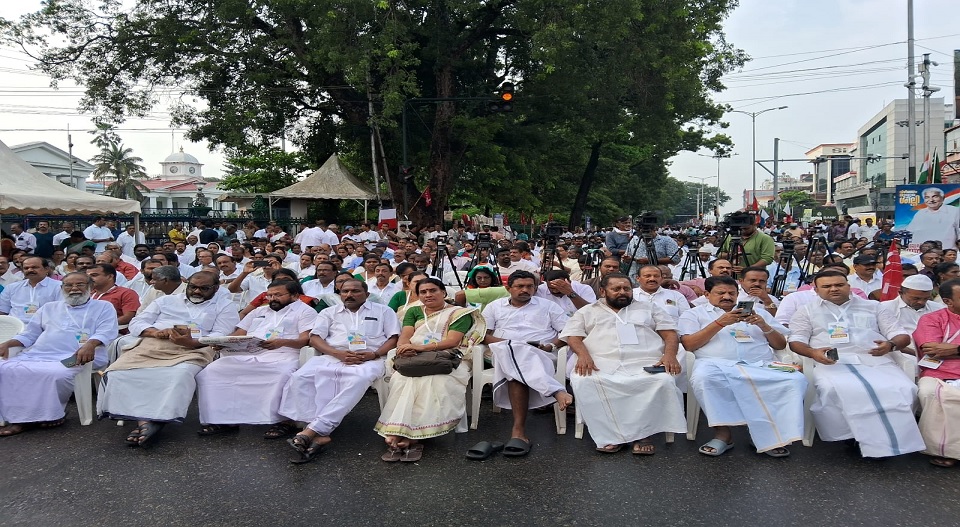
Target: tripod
815 244
646 238
591 259
784 264
692 265
438 264
736 254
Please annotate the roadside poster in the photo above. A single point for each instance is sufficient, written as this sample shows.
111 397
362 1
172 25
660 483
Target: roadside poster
927 212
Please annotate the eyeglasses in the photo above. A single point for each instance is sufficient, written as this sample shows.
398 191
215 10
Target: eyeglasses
203 288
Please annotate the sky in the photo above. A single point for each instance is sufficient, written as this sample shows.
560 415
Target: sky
834 63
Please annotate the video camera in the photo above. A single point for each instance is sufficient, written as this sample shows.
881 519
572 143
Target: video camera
647 222
441 239
735 222
484 237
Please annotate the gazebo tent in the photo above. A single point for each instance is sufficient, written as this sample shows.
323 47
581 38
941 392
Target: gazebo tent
330 181
26 190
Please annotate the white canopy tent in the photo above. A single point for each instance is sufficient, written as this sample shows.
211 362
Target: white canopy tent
26 190
330 181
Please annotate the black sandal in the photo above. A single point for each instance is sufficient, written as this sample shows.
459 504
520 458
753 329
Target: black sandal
279 431
212 430
149 430
133 439
314 450
300 442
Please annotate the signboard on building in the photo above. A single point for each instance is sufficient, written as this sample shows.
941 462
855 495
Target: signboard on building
928 212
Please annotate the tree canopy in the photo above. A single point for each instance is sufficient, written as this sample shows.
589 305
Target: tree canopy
606 92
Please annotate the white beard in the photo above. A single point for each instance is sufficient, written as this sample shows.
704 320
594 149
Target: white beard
75 300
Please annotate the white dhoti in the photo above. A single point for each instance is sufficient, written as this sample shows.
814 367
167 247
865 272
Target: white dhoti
872 404
521 362
244 389
35 389
148 394
423 407
324 390
940 420
768 401
622 406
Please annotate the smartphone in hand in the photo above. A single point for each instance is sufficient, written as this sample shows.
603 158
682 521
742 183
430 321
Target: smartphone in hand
833 354
745 307
70 361
655 369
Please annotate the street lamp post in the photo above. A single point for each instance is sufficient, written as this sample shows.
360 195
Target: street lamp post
701 196
716 203
753 119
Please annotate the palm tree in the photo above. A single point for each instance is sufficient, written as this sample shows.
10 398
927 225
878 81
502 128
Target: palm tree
114 160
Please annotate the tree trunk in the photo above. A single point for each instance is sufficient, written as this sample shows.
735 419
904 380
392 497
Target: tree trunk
589 174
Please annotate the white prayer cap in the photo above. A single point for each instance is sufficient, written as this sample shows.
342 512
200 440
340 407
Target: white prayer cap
918 282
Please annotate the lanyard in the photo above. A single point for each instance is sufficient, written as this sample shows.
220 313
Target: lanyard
85 313
843 313
356 318
98 296
430 331
193 317
947 332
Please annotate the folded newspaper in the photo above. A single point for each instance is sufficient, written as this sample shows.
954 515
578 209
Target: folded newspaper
241 344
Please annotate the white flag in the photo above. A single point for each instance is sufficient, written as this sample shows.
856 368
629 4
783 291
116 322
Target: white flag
786 208
764 215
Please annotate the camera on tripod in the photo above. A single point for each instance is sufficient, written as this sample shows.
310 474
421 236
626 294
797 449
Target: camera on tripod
647 223
736 221
441 239
551 236
789 245
484 237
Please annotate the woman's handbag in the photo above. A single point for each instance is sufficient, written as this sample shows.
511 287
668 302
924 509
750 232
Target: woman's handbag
440 362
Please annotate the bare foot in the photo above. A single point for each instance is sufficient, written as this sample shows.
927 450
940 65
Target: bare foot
564 400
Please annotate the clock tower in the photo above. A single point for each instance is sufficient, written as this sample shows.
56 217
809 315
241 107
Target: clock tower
180 165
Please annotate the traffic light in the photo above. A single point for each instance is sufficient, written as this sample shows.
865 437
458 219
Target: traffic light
504 100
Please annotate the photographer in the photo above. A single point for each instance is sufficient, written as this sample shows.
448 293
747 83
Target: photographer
666 248
758 247
618 239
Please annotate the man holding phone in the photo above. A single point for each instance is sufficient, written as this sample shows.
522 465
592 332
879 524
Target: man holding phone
256 276
862 393
522 334
732 378
36 384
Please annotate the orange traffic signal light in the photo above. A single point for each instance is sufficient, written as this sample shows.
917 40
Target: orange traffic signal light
504 100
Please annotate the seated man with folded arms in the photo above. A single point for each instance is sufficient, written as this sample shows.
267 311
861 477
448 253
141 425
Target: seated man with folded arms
614 339
246 388
34 384
649 279
352 339
864 395
938 339
154 381
522 335
732 377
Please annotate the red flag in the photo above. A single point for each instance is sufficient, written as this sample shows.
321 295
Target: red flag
523 219
466 220
550 218
427 198
506 220
756 204
892 274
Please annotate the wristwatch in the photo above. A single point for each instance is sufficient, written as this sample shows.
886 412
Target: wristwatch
573 295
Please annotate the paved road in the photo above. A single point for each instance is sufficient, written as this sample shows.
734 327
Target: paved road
87 476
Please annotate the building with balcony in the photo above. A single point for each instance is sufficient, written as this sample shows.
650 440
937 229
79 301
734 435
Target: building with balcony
55 163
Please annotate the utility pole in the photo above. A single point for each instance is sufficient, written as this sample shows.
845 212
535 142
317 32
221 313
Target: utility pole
927 92
911 103
70 153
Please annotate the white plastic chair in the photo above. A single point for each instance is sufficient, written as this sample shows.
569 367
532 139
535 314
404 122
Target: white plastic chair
693 406
483 376
9 327
906 362
82 390
578 420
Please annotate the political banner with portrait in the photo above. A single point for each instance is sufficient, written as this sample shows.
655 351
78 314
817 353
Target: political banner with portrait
927 212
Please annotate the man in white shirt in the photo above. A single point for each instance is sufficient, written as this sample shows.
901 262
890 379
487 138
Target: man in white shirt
381 286
614 339
165 280
368 236
328 236
570 296
326 272
154 381
99 233
252 282
66 229
22 299
246 388
353 339
936 221
24 241
869 230
650 277
865 276
522 335
914 302
127 241
7 276
864 394
34 384
732 377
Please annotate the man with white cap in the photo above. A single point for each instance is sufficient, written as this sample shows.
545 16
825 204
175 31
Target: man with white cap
914 301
